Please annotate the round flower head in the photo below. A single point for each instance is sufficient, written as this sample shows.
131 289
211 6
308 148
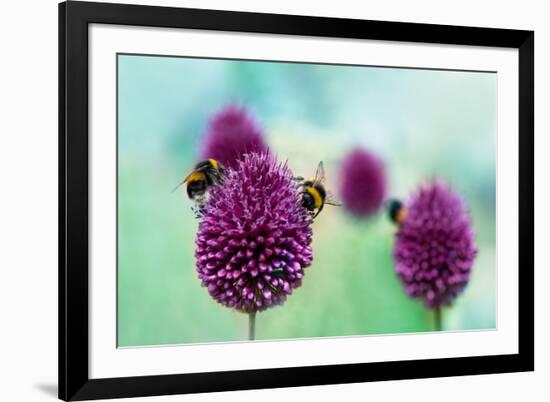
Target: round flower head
231 133
434 249
362 182
254 238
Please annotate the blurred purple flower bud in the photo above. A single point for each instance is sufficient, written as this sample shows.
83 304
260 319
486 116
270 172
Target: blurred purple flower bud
362 182
231 133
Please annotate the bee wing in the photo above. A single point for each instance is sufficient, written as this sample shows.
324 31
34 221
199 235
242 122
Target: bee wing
331 200
215 175
183 181
178 186
188 176
221 169
320 173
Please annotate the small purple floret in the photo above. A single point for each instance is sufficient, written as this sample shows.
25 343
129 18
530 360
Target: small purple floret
362 182
254 238
434 249
231 133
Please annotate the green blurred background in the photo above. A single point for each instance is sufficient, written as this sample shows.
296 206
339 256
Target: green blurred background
423 123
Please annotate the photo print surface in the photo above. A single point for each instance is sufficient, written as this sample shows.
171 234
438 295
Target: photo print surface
267 200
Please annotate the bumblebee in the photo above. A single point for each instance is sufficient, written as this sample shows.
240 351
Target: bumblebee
396 211
205 174
314 194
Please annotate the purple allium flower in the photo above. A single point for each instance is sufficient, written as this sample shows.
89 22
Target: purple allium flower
434 249
231 133
362 182
254 238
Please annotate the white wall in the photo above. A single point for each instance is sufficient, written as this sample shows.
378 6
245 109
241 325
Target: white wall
28 210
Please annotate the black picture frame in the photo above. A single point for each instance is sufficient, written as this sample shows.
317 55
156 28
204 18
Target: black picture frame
74 18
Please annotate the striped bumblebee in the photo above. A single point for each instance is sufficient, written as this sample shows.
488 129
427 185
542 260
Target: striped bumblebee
396 211
205 174
314 193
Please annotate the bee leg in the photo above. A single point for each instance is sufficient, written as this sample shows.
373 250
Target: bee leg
198 208
200 211
218 176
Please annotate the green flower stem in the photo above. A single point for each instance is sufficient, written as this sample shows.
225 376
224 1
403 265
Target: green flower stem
437 319
251 326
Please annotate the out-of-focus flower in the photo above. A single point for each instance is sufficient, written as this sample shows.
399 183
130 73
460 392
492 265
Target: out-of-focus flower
362 182
254 238
434 248
231 133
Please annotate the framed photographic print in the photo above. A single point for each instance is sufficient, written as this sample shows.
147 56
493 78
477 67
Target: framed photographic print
257 200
